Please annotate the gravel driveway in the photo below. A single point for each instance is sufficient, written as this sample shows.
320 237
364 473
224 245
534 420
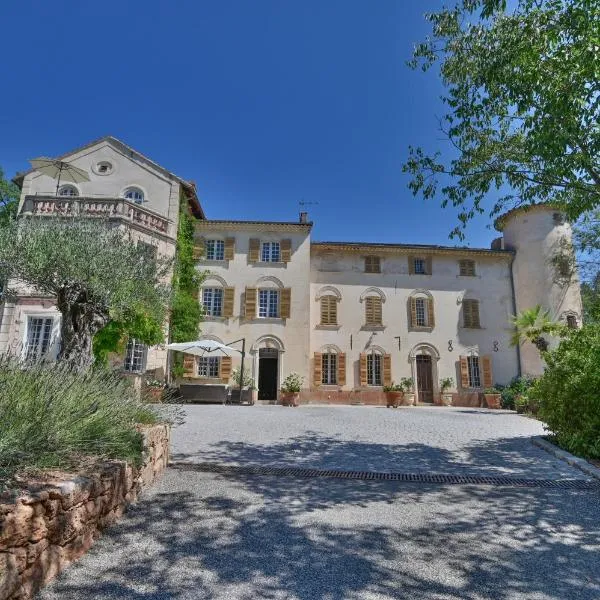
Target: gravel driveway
239 536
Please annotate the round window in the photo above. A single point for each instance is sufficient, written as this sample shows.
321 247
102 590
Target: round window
103 167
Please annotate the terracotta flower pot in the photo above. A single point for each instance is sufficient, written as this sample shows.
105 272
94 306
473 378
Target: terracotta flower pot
447 399
493 400
289 398
394 399
154 394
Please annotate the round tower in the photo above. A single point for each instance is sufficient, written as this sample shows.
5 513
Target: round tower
543 269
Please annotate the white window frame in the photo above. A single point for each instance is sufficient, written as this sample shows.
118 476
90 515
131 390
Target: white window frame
422 270
329 368
474 369
421 312
68 191
212 301
136 354
209 367
269 303
134 194
374 369
38 346
215 249
270 252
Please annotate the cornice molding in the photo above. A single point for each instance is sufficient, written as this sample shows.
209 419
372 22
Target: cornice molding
407 250
253 226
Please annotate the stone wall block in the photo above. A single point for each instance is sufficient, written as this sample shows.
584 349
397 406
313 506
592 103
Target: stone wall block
47 528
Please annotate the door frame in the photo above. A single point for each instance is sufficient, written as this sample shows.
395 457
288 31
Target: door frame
267 341
429 350
275 356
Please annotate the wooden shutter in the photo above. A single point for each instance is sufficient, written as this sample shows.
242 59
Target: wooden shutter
253 250
363 369
225 368
197 252
286 250
317 369
430 313
429 265
486 367
413 312
285 307
471 313
377 311
341 368
228 298
189 365
250 303
464 372
387 369
373 314
411 265
229 248
328 310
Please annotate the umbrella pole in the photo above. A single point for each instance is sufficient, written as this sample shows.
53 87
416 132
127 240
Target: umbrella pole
242 366
58 182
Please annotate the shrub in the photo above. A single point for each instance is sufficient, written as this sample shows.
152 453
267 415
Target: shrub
51 416
515 394
393 387
292 383
567 392
445 384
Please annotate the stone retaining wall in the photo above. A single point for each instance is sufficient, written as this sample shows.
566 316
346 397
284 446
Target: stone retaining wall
55 522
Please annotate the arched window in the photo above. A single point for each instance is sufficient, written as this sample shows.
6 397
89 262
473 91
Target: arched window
68 190
329 366
329 310
421 310
134 194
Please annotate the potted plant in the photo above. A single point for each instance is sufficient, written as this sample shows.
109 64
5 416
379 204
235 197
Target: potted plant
406 383
290 389
153 390
445 384
394 393
492 397
249 391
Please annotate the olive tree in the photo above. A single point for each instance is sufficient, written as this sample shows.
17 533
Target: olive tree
92 268
522 106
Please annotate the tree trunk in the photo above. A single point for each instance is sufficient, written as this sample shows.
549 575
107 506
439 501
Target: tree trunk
81 320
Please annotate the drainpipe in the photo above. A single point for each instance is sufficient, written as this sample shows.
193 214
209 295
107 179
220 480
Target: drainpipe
514 303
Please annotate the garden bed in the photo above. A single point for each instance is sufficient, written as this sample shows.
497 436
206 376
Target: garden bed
53 519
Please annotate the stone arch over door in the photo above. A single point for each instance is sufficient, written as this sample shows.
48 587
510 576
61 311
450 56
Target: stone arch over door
420 356
267 348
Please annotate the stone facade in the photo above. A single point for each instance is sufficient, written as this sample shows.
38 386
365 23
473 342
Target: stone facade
55 522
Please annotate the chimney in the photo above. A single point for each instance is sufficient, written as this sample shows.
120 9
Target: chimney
303 217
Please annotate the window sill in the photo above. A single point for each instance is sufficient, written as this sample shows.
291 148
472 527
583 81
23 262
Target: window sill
373 328
328 327
473 328
211 319
268 264
266 320
217 263
421 329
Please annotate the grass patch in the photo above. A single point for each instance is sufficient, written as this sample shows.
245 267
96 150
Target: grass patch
51 417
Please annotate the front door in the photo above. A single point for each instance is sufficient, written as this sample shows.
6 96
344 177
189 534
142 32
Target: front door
267 373
424 378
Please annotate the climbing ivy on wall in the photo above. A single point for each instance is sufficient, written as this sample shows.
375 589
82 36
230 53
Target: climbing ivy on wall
186 311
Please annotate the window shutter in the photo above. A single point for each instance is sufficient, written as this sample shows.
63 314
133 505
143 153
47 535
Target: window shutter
253 250
363 369
197 252
228 296
195 293
428 265
475 313
250 303
369 311
486 365
464 372
373 314
229 248
189 365
413 312
286 250
328 310
341 368
225 368
377 311
411 265
286 301
318 369
430 313
387 369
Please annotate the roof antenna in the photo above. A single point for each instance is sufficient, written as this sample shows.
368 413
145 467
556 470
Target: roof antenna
303 213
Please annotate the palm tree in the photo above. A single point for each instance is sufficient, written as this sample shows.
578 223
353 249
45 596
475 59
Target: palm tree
532 325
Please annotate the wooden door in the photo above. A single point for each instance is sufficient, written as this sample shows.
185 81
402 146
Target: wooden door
424 378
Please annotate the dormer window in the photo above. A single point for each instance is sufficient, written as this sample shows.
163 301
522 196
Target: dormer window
134 194
66 191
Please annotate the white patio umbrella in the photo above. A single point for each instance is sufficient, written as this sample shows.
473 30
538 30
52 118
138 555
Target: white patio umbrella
202 347
58 169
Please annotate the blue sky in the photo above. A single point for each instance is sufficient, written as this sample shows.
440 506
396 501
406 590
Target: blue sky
263 103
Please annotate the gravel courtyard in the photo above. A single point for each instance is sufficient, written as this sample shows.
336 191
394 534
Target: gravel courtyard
247 536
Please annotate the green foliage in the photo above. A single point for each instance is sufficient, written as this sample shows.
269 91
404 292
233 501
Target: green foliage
292 383
246 380
9 199
522 89
393 387
567 392
445 384
516 392
534 325
51 416
407 384
586 236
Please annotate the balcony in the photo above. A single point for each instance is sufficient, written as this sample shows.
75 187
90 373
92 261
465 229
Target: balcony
111 208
